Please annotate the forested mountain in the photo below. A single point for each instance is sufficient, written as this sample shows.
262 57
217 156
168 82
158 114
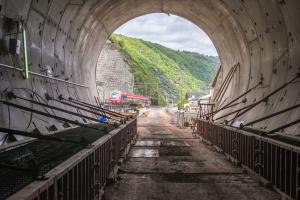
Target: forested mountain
162 72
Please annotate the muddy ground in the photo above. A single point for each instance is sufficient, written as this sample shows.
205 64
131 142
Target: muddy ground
170 163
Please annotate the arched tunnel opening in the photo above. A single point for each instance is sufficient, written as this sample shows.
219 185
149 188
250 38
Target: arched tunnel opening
159 56
49 51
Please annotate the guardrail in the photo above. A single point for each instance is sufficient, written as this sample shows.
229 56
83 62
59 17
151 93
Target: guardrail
275 161
84 174
185 119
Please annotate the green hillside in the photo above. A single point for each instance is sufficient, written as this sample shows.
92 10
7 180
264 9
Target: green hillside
160 71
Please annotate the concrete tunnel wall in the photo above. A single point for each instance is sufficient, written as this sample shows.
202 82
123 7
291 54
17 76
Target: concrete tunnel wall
65 37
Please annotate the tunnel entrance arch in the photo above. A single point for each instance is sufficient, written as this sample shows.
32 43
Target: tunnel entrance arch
66 37
223 30
179 37
230 44
71 35
242 34
258 37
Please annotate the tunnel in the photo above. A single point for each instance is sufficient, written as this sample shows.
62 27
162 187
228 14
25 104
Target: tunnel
257 42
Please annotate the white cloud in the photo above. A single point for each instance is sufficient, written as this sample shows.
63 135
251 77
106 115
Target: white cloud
169 30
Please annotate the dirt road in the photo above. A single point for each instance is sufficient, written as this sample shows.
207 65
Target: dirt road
169 163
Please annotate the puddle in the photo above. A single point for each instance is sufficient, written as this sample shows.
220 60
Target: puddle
144 153
148 143
163 143
174 143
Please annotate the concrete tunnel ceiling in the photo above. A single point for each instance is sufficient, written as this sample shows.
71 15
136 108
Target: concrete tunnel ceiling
260 37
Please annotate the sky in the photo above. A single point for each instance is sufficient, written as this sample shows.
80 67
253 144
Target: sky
169 30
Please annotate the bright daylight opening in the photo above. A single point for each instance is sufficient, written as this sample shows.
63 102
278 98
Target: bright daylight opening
164 58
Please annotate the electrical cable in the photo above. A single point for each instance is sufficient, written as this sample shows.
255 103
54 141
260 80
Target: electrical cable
37 96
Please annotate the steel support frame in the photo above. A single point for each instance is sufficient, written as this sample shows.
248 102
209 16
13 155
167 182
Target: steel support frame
275 161
84 174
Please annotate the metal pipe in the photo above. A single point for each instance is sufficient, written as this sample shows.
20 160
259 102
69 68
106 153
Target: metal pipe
80 108
266 97
226 78
98 103
95 107
49 115
207 104
26 67
213 113
284 126
42 75
242 95
252 130
234 112
59 109
272 115
226 82
37 136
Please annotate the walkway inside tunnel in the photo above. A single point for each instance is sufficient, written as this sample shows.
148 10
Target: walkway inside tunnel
167 162
59 142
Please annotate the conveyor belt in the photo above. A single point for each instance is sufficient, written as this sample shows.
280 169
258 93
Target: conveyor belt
39 157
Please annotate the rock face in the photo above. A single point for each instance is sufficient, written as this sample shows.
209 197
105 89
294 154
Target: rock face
113 72
65 37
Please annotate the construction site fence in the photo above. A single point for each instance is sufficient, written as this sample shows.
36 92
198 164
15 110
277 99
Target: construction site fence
185 119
